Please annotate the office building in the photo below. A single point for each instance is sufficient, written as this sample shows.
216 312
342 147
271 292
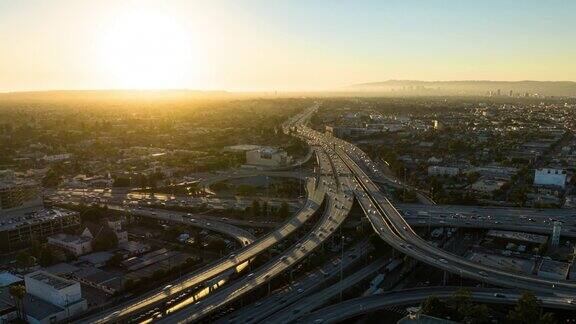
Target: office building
18 194
18 229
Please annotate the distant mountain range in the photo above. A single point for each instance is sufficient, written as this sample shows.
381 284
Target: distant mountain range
502 88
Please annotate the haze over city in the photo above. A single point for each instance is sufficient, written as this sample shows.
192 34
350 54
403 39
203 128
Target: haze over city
244 161
279 45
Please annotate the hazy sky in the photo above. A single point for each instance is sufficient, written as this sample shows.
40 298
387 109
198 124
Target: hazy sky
283 44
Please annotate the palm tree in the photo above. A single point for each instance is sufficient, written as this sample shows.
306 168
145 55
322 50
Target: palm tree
18 292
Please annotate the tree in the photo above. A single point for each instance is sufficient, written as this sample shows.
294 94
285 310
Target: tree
158 274
245 190
115 260
462 298
18 292
106 239
121 182
130 284
476 314
433 306
51 179
529 310
47 256
93 214
548 318
35 248
25 259
255 208
284 210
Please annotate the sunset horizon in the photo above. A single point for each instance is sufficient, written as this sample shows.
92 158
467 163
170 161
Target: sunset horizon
295 46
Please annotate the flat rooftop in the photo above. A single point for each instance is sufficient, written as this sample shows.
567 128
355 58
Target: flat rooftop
518 236
6 279
14 183
69 238
51 280
13 221
515 265
557 267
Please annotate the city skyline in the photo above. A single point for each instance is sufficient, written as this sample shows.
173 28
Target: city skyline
296 46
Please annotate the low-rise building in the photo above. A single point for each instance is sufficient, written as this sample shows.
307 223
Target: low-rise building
57 157
97 259
518 237
18 194
99 279
267 157
134 247
55 298
76 244
8 279
550 177
487 186
437 170
18 229
495 172
551 269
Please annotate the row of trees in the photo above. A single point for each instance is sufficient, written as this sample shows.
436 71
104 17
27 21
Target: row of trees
140 180
42 254
258 210
460 307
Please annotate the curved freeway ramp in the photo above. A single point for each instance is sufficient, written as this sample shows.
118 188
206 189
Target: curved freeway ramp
358 306
337 209
190 281
241 235
391 226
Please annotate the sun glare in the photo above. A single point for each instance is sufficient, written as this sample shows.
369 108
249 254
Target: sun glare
145 49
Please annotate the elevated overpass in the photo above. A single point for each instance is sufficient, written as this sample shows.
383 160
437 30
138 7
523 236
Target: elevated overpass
316 196
355 307
338 206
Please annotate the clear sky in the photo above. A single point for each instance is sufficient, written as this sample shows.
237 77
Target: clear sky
280 44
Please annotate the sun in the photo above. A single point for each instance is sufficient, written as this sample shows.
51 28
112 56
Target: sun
148 50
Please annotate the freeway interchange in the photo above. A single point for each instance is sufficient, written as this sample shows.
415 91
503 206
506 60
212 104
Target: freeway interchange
341 179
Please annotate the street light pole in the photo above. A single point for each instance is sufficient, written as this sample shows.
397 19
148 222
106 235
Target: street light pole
341 260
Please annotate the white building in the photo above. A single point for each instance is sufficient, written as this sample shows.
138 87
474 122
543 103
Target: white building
550 177
57 157
436 170
77 245
63 297
268 157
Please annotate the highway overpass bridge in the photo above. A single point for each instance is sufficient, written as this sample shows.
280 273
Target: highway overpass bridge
363 305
